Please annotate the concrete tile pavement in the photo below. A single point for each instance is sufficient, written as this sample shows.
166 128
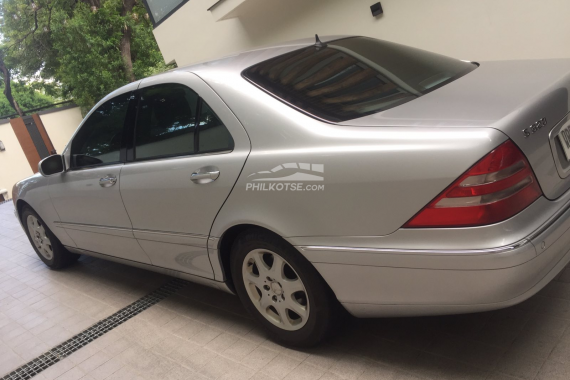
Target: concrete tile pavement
200 333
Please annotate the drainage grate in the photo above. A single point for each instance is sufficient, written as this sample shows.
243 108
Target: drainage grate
56 354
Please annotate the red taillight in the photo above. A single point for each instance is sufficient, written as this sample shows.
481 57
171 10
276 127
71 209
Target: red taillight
499 186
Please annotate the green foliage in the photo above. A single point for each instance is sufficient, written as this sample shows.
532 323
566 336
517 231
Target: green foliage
28 98
90 63
26 32
77 47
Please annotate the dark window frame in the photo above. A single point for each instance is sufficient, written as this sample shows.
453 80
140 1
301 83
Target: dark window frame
157 23
131 132
129 121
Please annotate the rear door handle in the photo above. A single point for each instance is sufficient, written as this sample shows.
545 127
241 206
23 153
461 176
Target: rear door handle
108 181
205 175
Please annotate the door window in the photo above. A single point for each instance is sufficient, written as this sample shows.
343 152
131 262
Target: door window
166 122
100 138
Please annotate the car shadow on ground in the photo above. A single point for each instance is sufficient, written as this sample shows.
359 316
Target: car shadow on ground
517 341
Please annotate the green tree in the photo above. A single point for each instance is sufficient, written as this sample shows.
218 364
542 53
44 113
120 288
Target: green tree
89 47
28 98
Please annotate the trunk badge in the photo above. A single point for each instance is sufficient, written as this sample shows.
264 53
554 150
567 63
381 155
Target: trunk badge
535 127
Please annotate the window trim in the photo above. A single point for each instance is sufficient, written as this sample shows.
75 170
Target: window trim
127 125
177 157
155 23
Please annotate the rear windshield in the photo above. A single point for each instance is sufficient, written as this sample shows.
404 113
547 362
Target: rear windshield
354 77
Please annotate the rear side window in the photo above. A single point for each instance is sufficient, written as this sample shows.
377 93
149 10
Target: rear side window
213 135
354 77
100 138
174 121
166 121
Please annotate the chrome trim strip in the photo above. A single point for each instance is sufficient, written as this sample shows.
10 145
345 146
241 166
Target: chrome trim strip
445 252
67 224
442 252
179 157
565 121
213 242
557 215
156 232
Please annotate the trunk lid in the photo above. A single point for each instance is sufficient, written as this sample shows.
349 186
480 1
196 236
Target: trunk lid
511 96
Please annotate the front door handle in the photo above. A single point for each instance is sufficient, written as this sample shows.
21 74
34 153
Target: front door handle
205 175
108 181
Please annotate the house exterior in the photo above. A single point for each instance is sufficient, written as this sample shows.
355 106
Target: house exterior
191 31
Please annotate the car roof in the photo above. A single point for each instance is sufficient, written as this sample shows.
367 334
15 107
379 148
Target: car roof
242 60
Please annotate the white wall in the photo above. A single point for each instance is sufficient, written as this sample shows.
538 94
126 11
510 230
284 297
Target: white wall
13 163
467 29
61 125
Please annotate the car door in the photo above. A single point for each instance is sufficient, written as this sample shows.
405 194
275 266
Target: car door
87 195
187 153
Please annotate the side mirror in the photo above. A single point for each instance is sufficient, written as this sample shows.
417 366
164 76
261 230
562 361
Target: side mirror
51 165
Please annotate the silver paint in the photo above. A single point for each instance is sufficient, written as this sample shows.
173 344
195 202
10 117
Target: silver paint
379 171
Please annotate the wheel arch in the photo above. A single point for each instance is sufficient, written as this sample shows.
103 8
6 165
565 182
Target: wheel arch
225 247
20 204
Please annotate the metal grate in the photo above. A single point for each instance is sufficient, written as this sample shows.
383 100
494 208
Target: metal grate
56 354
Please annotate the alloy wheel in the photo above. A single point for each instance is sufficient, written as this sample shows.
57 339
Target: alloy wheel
39 237
275 289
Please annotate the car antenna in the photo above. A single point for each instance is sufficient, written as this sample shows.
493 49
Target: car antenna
318 43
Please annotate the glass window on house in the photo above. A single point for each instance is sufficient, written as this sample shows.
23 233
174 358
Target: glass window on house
160 9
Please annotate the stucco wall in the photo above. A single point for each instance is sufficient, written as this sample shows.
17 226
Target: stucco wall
13 163
61 125
474 30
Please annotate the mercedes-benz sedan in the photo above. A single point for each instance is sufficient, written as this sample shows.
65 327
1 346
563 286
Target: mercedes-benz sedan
308 177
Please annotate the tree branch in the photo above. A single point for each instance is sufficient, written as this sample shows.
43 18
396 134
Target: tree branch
8 87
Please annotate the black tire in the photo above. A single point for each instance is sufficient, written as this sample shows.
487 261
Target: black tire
325 312
61 256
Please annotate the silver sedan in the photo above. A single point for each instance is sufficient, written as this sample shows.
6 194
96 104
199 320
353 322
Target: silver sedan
314 177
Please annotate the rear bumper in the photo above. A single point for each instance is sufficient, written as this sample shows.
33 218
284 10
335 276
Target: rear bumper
378 282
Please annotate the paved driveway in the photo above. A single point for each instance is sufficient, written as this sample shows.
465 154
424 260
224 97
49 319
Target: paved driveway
200 333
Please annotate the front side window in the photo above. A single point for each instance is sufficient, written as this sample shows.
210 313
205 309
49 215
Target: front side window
166 122
100 138
354 77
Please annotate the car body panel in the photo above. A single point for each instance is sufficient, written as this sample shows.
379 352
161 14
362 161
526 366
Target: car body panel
356 160
509 96
169 216
32 191
94 216
490 284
